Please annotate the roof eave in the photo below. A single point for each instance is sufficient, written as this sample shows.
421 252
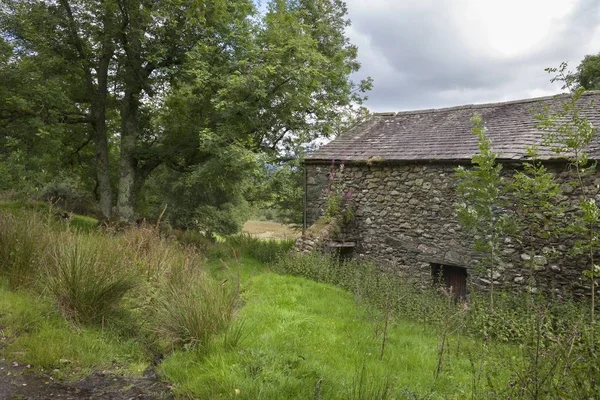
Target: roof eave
428 161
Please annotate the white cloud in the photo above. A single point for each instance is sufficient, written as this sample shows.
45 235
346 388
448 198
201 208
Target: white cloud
428 53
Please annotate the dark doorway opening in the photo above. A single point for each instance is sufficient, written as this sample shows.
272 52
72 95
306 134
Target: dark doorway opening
454 279
342 250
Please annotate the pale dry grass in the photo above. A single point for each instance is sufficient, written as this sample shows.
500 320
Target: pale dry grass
271 230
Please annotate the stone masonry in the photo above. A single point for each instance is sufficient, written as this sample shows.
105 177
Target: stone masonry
405 220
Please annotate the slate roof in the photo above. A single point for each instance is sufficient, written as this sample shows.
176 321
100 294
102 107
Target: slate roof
445 134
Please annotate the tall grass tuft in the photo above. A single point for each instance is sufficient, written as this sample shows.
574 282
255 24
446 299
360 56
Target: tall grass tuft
23 242
193 308
87 278
264 250
365 387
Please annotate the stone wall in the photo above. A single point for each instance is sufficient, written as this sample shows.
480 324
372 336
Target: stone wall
405 220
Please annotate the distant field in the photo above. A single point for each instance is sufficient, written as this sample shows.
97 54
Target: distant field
270 230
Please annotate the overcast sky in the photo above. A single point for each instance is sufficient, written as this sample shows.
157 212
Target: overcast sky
438 53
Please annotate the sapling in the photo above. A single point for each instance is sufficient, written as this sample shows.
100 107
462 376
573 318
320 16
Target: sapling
569 134
481 190
535 192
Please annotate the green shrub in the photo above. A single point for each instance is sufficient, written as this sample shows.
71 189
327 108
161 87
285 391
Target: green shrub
193 308
70 195
23 242
88 278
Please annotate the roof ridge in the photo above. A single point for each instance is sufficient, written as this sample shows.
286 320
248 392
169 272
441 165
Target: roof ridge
481 105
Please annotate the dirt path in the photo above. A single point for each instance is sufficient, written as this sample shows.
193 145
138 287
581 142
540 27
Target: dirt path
19 382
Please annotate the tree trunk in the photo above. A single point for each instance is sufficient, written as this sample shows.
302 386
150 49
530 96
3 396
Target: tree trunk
128 162
101 137
97 92
102 164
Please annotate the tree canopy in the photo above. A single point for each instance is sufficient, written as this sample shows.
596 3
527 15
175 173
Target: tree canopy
182 102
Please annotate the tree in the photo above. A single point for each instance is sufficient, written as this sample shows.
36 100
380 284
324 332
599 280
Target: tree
284 86
588 73
569 134
482 209
184 74
535 192
40 131
75 41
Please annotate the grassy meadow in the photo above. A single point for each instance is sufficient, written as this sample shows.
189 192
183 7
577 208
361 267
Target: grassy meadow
241 318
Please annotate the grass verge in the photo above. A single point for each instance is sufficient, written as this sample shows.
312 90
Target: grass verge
34 333
306 340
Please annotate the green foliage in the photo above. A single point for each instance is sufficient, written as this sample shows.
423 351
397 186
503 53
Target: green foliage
569 134
481 189
68 194
296 338
212 197
365 387
367 282
263 250
91 88
284 190
110 280
588 73
537 210
308 340
556 344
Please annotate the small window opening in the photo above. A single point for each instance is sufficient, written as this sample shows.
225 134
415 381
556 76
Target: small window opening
453 278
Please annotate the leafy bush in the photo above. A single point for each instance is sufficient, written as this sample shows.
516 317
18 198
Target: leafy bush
70 195
87 279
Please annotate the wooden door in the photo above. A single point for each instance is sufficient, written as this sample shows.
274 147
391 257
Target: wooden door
453 278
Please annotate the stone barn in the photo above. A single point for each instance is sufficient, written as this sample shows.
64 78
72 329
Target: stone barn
397 170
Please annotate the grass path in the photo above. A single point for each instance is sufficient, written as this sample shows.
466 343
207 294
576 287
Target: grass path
306 340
